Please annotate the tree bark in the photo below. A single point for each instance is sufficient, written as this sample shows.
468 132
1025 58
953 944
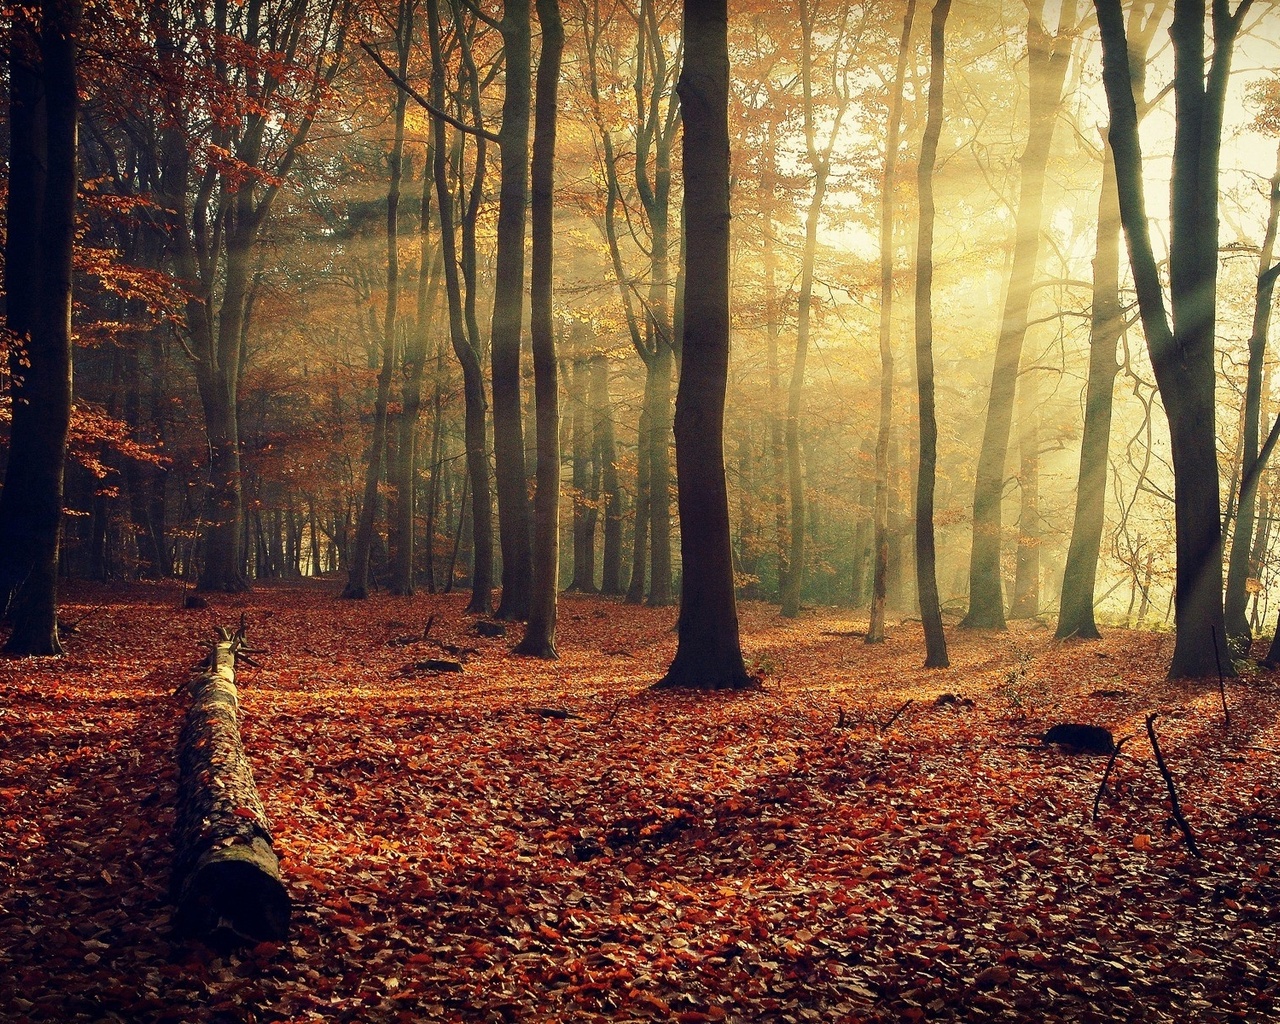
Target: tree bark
474 425
708 655
1182 348
1238 567
926 567
43 181
880 584
540 636
357 587
606 457
1075 615
226 877
514 520
1047 58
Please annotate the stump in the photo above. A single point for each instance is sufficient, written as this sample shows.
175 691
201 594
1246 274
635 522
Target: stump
226 883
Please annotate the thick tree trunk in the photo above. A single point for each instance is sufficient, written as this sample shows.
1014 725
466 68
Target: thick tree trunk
1047 57
1075 615
41 234
514 520
708 655
1182 348
540 636
926 569
226 882
880 583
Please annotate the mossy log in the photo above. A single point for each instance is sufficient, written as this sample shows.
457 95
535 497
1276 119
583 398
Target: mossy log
226 883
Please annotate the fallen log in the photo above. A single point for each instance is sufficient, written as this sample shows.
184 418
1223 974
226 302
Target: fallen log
226 884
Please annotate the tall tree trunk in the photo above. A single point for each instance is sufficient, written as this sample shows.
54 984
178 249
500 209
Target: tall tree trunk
41 234
540 636
880 584
1026 581
659 395
1238 568
777 441
1047 58
357 586
474 425
926 567
708 655
1182 348
606 458
514 519
404 473
640 534
584 474
1075 617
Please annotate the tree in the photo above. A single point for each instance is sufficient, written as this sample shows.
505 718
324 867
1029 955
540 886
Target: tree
508 309
926 569
358 573
41 223
464 340
1252 462
820 161
880 583
540 636
239 87
708 655
1075 615
1182 345
1047 57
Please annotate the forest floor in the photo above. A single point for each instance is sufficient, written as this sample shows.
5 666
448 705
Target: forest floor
453 854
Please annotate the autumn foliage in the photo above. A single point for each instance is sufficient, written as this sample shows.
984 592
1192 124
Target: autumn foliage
530 841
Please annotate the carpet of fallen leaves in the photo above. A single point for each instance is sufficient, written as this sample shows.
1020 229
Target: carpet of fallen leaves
457 852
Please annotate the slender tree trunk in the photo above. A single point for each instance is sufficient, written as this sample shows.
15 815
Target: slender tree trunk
1238 568
1026 582
640 535
358 575
1048 57
607 459
926 569
475 428
1075 617
879 589
514 520
660 368
540 636
585 474
708 655
777 441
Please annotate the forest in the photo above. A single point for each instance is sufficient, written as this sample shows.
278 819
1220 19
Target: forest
614 510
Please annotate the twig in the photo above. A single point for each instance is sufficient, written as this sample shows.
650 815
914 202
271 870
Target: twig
426 630
1107 774
888 724
1222 685
1173 790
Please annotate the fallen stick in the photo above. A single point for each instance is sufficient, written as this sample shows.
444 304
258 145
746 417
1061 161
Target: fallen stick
1115 752
1222 685
226 881
888 724
1173 790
